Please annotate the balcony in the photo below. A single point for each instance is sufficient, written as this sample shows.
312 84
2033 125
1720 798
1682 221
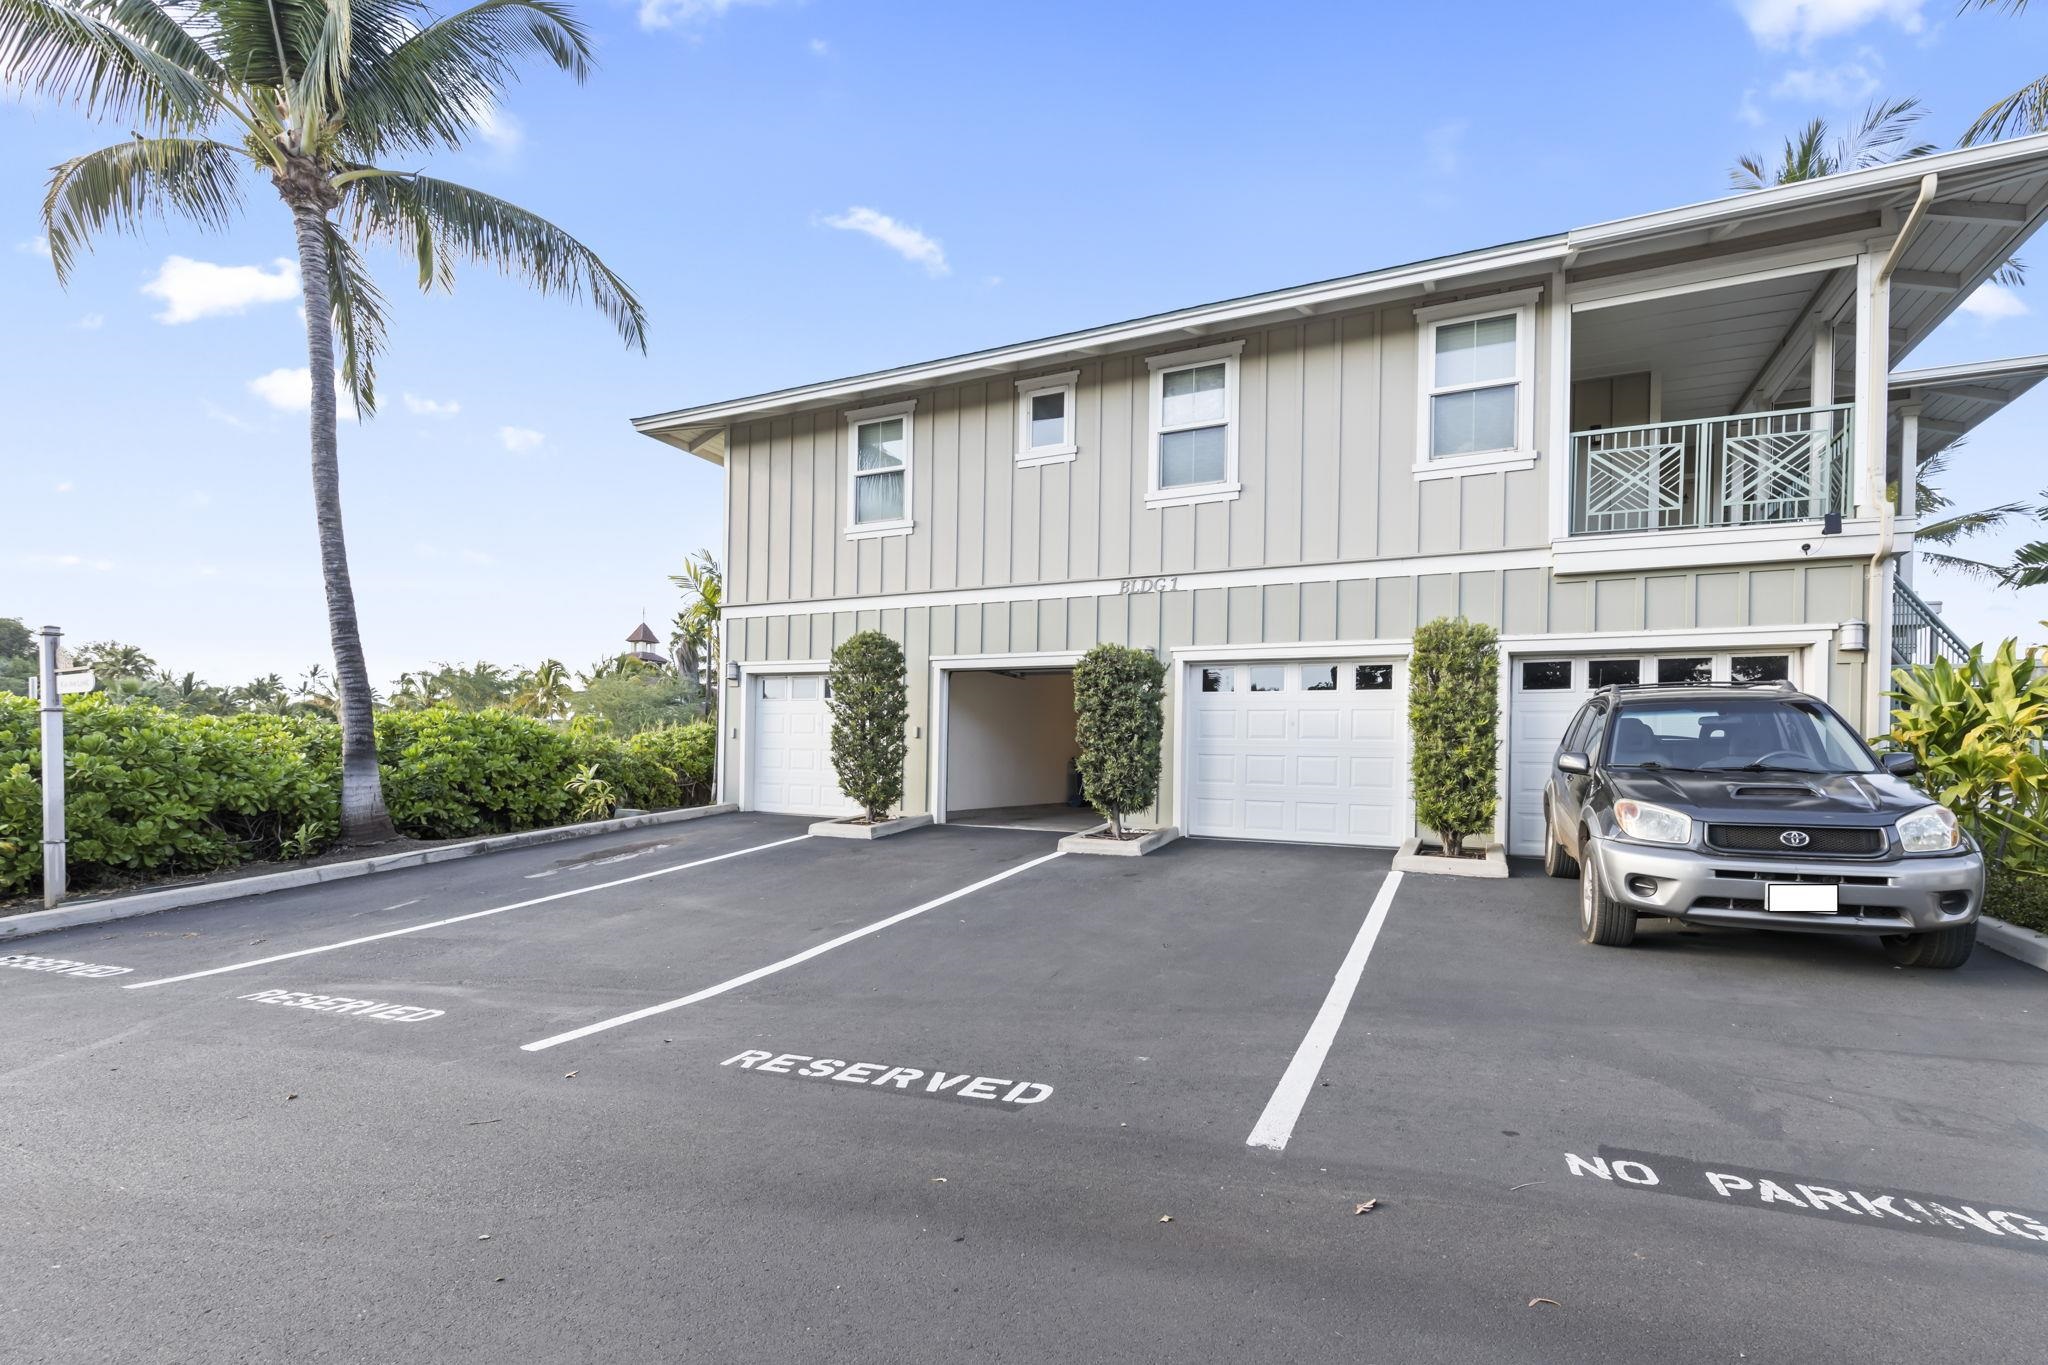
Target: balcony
1753 469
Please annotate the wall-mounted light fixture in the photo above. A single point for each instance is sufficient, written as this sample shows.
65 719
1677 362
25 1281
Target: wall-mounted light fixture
1855 637
1831 524
732 673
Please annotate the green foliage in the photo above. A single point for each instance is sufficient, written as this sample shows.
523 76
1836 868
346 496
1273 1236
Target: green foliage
638 696
16 640
152 792
1977 730
1454 720
595 799
870 706
2016 897
1119 716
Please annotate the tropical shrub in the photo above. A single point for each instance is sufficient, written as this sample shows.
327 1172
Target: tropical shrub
1454 722
1977 729
870 706
1119 716
686 753
2015 897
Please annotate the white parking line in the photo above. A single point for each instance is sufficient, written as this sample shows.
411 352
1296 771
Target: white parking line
805 956
457 919
1276 1125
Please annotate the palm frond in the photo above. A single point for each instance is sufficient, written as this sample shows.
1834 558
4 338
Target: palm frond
74 56
2025 110
1963 525
1876 139
324 38
1975 570
432 88
359 320
1749 174
2029 567
469 225
122 185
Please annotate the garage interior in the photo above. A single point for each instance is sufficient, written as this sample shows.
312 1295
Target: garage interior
1010 750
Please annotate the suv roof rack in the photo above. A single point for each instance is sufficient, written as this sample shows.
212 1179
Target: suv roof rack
1775 685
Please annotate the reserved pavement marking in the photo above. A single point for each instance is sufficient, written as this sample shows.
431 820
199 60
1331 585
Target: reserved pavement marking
805 956
342 1004
1872 1206
904 1079
62 966
1276 1124
458 919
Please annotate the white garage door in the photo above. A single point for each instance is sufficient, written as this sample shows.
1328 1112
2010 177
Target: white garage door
791 769
1308 752
1545 693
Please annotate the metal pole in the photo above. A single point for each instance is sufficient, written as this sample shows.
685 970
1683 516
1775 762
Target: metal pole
53 766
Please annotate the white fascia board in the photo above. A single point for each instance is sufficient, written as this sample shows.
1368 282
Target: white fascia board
1936 376
1650 551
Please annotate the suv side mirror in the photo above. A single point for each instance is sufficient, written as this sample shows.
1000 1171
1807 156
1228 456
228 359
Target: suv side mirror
1573 763
1900 765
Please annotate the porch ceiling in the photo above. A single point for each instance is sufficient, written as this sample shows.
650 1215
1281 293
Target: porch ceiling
1955 399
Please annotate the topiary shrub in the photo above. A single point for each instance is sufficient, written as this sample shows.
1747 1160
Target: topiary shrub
870 705
1119 716
1454 726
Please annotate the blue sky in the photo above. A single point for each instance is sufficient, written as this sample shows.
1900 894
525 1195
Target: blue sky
803 190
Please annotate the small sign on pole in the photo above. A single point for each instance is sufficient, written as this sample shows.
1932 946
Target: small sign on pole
50 692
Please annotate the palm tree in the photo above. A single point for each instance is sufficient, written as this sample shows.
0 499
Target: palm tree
1809 153
110 659
1947 528
2025 110
311 94
266 693
545 692
694 633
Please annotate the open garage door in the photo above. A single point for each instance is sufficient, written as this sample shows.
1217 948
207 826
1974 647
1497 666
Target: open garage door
1544 693
789 770
1307 751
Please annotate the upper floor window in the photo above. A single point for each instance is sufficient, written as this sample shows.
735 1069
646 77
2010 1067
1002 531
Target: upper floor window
1194 426
1045 418
1477 376
878 472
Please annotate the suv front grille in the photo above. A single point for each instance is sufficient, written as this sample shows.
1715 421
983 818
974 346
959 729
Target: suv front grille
1824 841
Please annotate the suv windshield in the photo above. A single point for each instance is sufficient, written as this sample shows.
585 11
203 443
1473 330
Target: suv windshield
1733 734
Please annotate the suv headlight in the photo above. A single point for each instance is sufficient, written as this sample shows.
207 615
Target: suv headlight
1654 824
1931 829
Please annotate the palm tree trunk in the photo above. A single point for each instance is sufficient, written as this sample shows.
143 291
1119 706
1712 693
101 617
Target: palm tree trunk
364 820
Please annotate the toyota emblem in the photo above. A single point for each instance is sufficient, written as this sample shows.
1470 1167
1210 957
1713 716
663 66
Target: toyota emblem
1795 838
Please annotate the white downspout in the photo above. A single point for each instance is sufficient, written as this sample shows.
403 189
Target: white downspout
1877 313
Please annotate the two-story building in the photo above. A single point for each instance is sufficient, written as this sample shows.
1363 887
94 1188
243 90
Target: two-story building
1671 447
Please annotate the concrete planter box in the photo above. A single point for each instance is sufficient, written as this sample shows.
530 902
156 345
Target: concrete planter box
1149 842
2014 941
848 829
1409 859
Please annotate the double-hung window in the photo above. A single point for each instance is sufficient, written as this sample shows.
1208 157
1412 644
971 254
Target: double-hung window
878 470
1478 384
1194 426
1045 419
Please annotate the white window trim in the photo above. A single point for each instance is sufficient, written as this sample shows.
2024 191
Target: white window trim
1028 455
1228 487
1521 303
903 525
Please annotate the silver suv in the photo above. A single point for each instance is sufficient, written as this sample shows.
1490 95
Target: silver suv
1758 807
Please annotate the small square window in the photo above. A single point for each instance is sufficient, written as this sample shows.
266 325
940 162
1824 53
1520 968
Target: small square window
1684 671
1316 678
1614 672
1760 668
774 688
1045 418
1219 680
1268 678
1547 675
805 689
1373 678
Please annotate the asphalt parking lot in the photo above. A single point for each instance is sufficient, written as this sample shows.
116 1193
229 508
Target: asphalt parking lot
720 1092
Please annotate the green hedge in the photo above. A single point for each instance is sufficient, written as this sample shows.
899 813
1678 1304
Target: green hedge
2016 899
151 792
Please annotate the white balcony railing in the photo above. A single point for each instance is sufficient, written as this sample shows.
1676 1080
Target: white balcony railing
1719 471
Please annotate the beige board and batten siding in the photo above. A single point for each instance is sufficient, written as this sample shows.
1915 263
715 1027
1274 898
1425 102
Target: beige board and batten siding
1326 454
1518 602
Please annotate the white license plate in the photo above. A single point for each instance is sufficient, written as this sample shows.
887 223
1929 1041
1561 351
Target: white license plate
1794 899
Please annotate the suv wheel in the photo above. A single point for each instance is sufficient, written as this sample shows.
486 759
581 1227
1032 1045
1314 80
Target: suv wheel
1556 862
1942 948
1602 920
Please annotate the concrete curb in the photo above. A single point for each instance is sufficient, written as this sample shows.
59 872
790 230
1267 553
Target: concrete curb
2015 942
1149 842
1408 859
846 829
205 893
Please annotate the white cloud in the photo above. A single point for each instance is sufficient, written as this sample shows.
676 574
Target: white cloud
683 13
68 562
37 245
1749 111
1995 303
428 407
1444 145
1850 83
1797 23
820 48
501 132
217 413
520 440
64 487
901 238
290 390
200 289
91 322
